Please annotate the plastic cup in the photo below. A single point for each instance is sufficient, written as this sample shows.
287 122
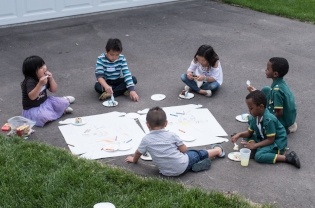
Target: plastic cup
245 154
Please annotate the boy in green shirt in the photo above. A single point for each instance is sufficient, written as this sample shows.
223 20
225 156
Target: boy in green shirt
280 99
271 138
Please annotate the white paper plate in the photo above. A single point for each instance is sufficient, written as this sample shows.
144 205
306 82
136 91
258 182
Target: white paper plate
109 103
235 156
132 115
104 205
242 118
146 157
124 146
188 138
110 148
158 97
187 96
144 111
79 124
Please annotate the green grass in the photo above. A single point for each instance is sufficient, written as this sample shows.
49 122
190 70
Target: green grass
37 175
303 10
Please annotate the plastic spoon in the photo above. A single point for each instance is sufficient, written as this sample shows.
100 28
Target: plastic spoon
248 83
235 147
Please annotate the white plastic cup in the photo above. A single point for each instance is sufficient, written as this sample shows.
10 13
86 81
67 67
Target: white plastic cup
245 154
104 205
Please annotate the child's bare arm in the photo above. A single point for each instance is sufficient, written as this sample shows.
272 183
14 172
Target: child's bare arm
278 112
254 145
134 158
244 134
182 148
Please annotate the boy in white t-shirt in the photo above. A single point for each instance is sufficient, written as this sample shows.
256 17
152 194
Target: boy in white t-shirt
168 151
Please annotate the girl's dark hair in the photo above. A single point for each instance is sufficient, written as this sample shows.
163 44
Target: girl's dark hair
258 98
30 67
113 44
156 117
208 53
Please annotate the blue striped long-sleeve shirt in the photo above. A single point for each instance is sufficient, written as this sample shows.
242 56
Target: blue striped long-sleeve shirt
114 70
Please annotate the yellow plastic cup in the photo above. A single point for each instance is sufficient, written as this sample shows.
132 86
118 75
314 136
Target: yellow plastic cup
245 154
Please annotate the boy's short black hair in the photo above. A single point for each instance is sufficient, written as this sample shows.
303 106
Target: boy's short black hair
280 65
113 44
156 117
258 97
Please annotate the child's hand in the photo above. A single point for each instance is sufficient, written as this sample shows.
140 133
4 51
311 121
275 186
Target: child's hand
43 80
49 74
129 159
134 96
234 138
251 88
250 144
200 78
190 75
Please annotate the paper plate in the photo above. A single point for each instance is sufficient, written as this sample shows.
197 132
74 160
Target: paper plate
158 97
79 124
243 117
146 157
235 156
187 138
187 95
104 205
109 103
144 111
110 148
124 146
132 115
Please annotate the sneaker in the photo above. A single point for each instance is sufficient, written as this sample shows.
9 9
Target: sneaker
186 88
293 128
71 99
209 93
218 145
204 164
127 93
293 159
104 96
69 110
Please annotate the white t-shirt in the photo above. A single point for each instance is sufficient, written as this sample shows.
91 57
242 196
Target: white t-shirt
163 148
198 70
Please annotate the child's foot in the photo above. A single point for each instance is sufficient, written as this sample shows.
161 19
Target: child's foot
187 89
71 99
204 164
293 159
206 93
292 128
222 155
104 96
69 110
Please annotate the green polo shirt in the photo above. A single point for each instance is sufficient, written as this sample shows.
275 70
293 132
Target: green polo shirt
281 97
269 126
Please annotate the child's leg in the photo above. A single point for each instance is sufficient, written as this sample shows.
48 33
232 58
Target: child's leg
213 86
198 160
119 85
190 83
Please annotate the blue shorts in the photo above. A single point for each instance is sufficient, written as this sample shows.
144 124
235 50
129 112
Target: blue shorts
195 156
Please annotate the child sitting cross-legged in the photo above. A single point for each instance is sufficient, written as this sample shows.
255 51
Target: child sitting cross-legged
270 141
168 151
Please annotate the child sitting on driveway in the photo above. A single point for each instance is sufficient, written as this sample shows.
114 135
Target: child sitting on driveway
112 73
280 99
168 151
271 139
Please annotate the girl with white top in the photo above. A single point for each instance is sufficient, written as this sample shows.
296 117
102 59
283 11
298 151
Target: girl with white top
204 74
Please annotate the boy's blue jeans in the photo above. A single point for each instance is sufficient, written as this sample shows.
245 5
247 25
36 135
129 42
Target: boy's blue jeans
213 86
195 156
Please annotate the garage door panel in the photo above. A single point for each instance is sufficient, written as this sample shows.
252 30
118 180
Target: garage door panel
20 11
9 10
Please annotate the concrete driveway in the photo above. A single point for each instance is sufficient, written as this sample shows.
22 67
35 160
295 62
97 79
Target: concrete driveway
159 43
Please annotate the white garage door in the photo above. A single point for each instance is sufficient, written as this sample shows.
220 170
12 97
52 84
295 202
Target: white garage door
20 11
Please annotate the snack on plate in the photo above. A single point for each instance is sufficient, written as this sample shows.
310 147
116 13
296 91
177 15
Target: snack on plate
78 120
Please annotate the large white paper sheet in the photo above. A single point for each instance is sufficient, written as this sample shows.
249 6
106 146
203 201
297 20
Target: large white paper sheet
101 131
195 125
